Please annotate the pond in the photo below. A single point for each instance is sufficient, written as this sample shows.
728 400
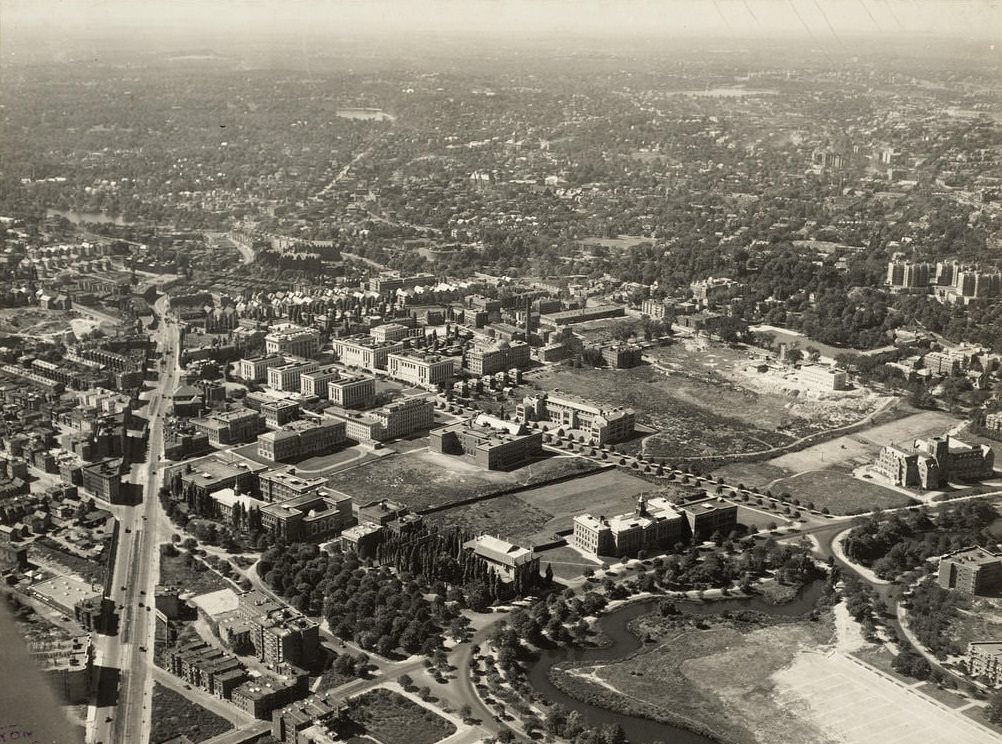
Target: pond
623 642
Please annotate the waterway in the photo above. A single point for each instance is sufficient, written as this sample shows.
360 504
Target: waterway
615 627
78 218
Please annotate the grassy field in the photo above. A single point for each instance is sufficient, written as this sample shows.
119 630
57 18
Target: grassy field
174 714
392 718
194 577
532 516
839 492
426 479
719 678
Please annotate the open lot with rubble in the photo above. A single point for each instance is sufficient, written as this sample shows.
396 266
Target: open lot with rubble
45 324
709 399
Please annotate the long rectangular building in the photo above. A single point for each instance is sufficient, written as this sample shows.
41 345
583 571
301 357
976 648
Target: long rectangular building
602 424
365 351
394 420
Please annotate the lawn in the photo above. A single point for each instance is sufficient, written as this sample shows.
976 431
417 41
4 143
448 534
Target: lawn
424 480
533 516
174 714
391 718
189 574
839 492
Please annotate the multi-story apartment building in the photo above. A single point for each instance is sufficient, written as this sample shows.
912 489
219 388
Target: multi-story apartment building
263 694
292 339
394 420
298 723
657 309
205 667
255 369
104 480
301 439
352 391
489 360
993 423
424 369
972 571
490 442
230 427
365 351
984 659
903 274
601 424
285 636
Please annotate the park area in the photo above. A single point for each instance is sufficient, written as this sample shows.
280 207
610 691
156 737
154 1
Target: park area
425 480
174 715
839 492
391 718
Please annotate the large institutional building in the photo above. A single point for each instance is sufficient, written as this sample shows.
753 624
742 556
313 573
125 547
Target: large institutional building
392 421
931 463
292 339
490 442
655 524
489 360
601 424
420 368
365 351
505 559
301 439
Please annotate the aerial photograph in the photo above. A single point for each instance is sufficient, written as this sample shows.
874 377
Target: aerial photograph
501 371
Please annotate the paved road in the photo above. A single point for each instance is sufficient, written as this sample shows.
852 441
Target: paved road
127 719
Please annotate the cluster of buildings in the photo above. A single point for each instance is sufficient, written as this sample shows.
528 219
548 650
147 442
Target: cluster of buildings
276 643
932 463
948 281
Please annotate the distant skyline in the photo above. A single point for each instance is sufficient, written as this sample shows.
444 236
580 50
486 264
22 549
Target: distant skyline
822 21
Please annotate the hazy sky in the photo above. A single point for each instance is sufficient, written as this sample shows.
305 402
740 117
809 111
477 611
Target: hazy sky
822 20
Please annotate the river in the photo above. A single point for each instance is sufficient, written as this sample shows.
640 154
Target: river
623 642
78 218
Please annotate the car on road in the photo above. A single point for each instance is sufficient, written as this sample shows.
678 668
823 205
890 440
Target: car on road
128 530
